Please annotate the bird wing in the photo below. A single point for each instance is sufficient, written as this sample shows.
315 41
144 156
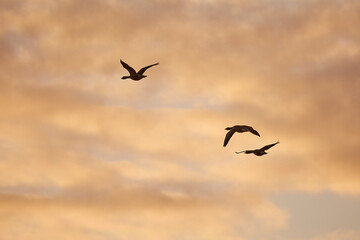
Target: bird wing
228 136
127 67
253 131
141 71
269 146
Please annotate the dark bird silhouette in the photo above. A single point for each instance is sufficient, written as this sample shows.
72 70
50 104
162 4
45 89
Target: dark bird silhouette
136 76
239 129
259 152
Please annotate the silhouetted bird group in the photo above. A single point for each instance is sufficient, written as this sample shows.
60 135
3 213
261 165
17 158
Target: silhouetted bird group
244 128
136 76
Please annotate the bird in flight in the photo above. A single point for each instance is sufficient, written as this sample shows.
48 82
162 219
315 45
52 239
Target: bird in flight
136 76
259 152
239 129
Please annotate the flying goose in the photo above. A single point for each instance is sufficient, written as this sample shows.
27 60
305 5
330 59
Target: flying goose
239 129
136 76
259 152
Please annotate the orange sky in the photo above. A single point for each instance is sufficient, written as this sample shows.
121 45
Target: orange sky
86 155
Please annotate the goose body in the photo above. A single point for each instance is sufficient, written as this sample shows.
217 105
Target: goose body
259 152
136 76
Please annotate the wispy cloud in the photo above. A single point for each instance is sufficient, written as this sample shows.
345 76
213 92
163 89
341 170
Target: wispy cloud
85 154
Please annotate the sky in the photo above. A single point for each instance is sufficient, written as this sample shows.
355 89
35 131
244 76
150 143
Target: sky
87 155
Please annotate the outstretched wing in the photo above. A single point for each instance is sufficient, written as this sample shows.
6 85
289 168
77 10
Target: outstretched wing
228 136
253 131
141 71
269 146
127 67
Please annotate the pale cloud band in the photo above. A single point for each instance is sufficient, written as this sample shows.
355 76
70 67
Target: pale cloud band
86 155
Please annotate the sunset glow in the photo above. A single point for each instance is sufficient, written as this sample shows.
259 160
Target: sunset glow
87 155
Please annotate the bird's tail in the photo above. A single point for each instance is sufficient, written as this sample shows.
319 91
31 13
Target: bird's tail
125 77
228 128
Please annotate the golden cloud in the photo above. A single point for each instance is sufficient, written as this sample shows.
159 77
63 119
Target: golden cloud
85 154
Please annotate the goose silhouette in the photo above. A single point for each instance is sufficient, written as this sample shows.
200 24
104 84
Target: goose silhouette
136 76
239 129
259 152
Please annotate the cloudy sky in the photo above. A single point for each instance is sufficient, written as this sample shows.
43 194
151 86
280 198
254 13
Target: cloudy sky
87 155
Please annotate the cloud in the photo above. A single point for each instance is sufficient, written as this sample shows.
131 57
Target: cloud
115 159
341 234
